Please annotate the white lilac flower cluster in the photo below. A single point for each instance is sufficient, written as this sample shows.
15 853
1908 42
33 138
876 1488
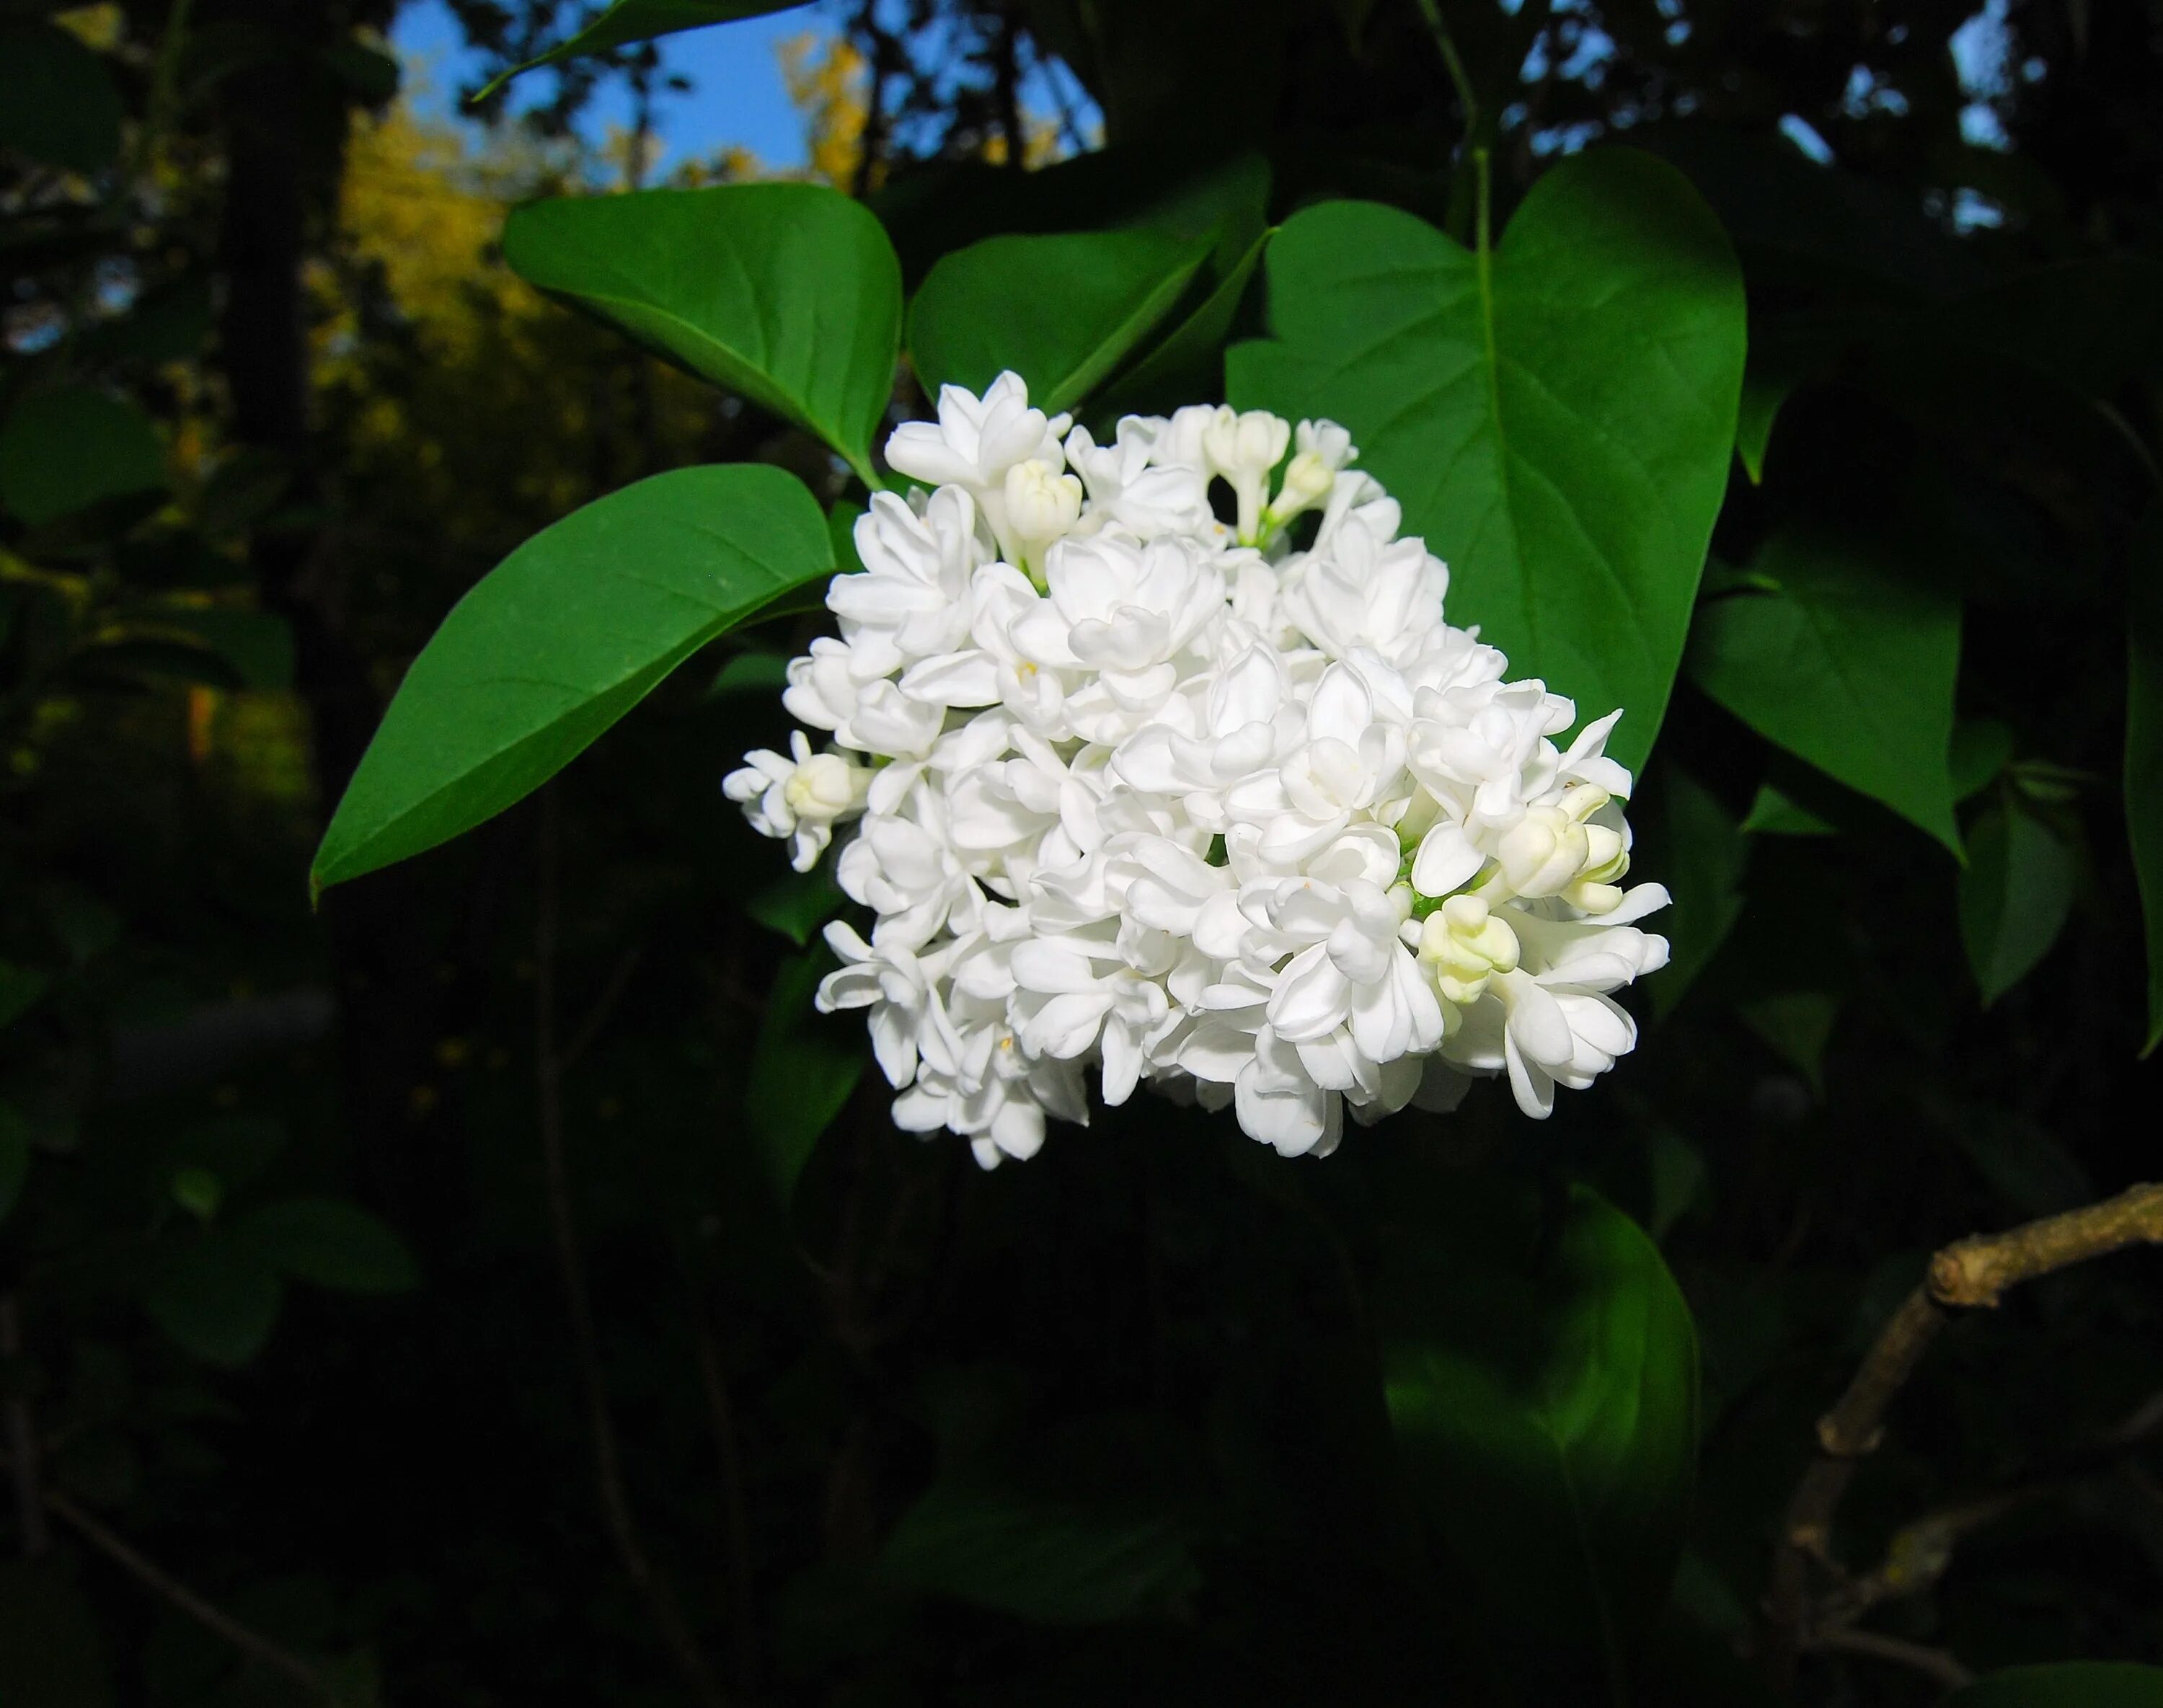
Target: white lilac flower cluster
1135 788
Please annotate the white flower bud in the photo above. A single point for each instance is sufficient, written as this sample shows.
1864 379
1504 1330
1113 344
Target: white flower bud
1307 481
1243 448
824 788
1041 504
1543 853
1463 946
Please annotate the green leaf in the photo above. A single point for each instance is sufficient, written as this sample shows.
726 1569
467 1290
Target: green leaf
629 21
1544 1388
1062 312
764 674
798 904
368 72
1847 665
1557 419
563 638
57 101
257 646
216 1295
1981 748
2144 752
787 293
1069 1537
2064 1684
20 988
65 450
802 1071
2015 894
330 1243
1772 813
1762 394
1183 366
1700 853
1796 1026
14 1156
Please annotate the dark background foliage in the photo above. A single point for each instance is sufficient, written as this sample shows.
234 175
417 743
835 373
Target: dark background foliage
408 1283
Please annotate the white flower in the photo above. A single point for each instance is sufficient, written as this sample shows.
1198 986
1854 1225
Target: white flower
1172 801
912 601
801 796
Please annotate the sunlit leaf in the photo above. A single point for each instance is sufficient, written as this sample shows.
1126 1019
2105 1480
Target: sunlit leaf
1183 365
1849 666
1556 419
787 293
1062 312
563 638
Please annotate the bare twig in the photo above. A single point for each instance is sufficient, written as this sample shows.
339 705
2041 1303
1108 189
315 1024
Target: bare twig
22 1436
1977 1269
248 1641
1970 1273
1933 1663
668 1616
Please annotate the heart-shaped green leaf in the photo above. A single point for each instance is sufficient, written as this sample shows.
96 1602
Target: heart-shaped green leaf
1557 417
787 293
563 638
1846 662
628 21
1062 312
1542 1383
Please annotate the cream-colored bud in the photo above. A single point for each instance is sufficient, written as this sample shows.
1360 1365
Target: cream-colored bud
1543 852
1041 505
1248 444
1307 482
1464 945
1594 889
825 786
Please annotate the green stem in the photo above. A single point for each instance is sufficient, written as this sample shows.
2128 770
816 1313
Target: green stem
1447 46
1471 152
